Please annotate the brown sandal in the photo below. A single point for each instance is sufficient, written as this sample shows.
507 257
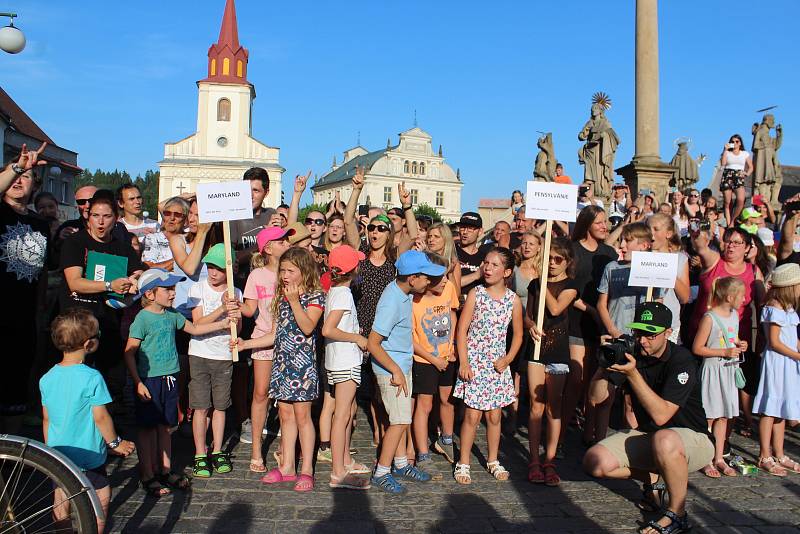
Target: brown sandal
725 469
710 471
789 464
772 467
551 478
535 473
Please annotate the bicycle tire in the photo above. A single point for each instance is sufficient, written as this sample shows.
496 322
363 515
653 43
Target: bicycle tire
81 511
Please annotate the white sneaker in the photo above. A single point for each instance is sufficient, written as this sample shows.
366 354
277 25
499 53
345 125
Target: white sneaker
246 433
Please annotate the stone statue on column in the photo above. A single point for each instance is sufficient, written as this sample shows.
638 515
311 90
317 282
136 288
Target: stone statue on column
687 171
767 176
544 170
597 154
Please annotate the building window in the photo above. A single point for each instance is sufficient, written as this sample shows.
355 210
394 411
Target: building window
387 194
405 167
224 109
226 67
414 197
239 68
64 192
213 67
414 168
422 168
440 199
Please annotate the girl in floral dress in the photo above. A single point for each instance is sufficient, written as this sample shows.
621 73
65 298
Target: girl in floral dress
298 306
485 382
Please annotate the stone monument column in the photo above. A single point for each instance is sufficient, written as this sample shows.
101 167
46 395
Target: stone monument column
646 170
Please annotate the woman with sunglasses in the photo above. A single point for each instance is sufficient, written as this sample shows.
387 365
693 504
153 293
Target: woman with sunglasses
691 203
374 273
736 165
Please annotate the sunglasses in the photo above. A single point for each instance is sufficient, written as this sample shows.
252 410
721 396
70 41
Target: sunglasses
82 201
379 227
168 213
694 196
318 222
557 260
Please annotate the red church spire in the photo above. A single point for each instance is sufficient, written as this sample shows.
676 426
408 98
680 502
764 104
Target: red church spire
227 59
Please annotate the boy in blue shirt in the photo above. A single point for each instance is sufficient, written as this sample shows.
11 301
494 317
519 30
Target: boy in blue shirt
392 349
152 361
75 420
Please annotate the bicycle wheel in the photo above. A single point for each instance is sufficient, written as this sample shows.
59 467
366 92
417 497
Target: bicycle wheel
29 477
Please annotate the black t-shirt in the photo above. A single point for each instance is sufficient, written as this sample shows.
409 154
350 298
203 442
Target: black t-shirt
243 239
471 263
674 377
555 345
794 257
23 256
74 253
589 267
119 231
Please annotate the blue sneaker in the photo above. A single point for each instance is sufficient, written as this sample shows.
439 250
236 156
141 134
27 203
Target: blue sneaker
410 472
389 484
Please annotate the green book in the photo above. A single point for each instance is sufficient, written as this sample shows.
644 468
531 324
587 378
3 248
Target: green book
102 267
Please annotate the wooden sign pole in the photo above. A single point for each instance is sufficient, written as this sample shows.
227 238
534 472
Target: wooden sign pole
226 234
548 234
649 296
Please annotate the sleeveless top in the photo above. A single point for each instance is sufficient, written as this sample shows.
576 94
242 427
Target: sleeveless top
736 162
703 301
181 302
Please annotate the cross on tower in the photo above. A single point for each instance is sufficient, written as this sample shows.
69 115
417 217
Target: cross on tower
180 187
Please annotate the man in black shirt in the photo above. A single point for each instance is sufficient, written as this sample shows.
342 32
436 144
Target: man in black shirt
470 254
244 232
671 438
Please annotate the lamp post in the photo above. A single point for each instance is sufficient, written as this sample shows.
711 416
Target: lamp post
12 40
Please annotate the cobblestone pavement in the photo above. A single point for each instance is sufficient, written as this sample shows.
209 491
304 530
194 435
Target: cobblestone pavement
236 502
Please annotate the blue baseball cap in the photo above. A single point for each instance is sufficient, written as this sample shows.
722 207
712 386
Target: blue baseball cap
153 278
416 262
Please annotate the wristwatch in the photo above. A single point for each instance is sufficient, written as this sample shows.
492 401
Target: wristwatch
17 169
108 285
406 208
114 444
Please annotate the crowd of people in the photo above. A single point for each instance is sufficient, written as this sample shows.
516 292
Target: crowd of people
431 327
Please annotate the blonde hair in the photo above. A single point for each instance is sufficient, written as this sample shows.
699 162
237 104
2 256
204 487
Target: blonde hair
785 296
449 246
537 258
674 241
725 288
73 328
302 259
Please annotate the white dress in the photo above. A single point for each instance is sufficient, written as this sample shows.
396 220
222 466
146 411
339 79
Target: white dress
777 394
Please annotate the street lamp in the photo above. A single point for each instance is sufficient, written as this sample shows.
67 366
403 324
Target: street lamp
12 40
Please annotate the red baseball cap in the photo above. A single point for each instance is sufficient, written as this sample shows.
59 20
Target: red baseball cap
758 200
344 258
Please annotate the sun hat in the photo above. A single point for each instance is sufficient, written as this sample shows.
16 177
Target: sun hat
344 258
270 233
786 275
216 256
416 262
651 317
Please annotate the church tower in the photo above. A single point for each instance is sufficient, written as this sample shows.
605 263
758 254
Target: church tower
222 147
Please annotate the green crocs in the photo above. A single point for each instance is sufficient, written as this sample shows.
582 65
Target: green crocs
201 469
221 462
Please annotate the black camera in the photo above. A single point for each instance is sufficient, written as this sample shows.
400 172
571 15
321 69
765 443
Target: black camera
792 207
613 353
699 226
582 190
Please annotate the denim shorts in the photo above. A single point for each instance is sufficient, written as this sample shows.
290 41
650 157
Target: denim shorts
553 368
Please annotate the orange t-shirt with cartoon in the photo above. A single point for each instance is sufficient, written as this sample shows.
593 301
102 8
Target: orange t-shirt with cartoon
432 325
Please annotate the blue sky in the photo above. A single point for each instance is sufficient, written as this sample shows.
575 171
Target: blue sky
115 80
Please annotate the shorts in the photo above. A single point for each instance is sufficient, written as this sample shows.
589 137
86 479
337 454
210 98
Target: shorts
266 355
576 341
553 368
162 408
97 476
633 449
337 377
732 179
427 378
397 406
210 383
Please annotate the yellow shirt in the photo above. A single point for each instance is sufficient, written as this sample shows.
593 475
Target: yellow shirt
432 326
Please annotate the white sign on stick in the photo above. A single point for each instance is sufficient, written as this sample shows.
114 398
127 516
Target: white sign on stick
224 201
653 269
550 201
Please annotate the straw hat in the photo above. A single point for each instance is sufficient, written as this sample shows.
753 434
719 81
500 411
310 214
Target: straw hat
786 275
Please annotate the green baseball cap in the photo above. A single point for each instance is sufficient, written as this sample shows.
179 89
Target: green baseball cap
216 256
652 317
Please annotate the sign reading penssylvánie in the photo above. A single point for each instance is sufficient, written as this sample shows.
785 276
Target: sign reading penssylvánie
550 201
224 201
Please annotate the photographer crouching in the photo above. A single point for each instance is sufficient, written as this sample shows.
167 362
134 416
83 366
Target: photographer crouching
671 438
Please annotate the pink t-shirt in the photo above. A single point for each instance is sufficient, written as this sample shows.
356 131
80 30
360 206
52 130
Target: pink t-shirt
261 286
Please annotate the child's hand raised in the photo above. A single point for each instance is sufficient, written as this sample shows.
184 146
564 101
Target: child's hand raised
143 392
125 448
292 292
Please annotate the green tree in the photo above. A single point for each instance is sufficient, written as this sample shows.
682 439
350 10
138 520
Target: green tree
147 184
305 210
424 209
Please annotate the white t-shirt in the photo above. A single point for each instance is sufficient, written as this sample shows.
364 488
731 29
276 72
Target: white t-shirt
148 226
216 345
342 355
155 248
736 161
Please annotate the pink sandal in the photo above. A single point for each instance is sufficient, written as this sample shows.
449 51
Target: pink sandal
304 484
276 477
